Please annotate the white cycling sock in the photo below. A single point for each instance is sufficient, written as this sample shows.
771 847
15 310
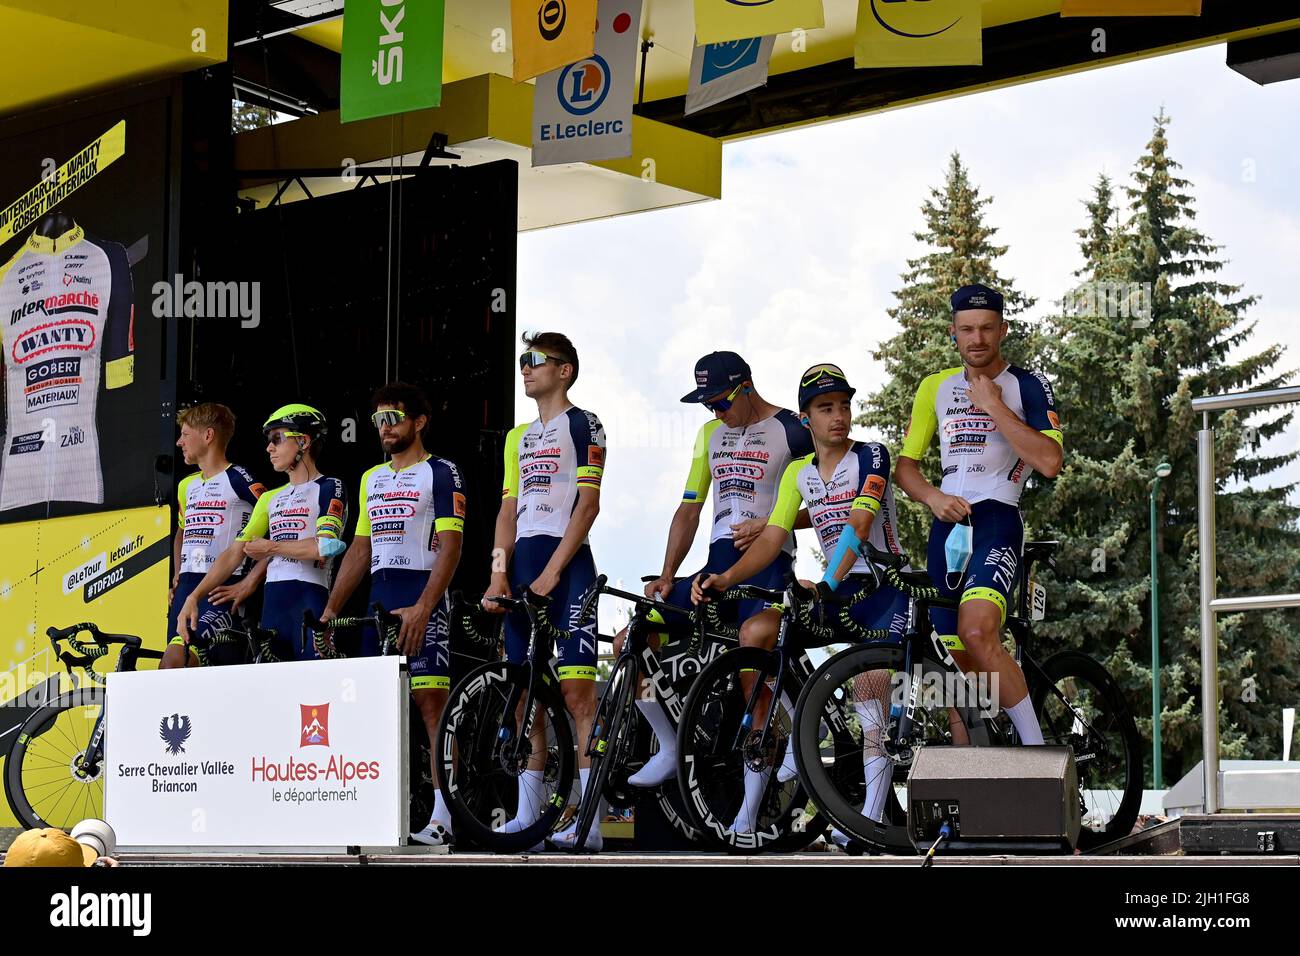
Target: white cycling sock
1026 722
876 769
755 786
530 800
441 812
660 723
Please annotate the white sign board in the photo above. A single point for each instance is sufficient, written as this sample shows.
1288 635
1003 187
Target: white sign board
309 753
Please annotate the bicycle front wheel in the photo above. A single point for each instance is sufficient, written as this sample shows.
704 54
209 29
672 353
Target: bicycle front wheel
1084 709
48 780
613 733
484 747
730 776
858 684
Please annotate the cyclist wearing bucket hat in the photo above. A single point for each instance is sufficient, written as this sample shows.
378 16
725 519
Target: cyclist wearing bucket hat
740 455
299 526
997 424
844 484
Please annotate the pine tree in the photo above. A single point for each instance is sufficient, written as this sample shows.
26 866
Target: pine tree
1124 385
961 251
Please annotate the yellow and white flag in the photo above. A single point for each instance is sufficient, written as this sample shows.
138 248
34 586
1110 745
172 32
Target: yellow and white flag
1131 8
722 21
919 33
549 34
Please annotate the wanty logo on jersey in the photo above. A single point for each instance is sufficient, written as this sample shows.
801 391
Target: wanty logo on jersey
918 14
61 336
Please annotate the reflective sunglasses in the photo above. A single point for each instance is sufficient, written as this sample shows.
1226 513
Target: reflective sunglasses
392 417
722 404
532 359
817 371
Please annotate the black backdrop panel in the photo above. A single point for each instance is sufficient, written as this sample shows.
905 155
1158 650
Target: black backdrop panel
344 309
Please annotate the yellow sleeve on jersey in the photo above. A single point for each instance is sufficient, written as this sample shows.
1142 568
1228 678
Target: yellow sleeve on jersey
788 498
510 480
259 522
697 482
363 513
924 418
182 493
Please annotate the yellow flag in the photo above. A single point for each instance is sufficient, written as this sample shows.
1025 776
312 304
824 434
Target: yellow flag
550 34
1131 8
722 21
919 33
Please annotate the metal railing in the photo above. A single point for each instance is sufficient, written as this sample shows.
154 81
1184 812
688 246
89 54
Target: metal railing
1211 603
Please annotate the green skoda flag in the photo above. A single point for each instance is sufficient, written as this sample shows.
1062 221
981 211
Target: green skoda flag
392 57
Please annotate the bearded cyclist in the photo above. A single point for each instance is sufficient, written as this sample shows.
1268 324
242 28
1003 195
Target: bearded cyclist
299 526
997 424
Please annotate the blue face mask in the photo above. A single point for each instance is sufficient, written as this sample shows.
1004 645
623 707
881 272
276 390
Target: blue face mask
957 551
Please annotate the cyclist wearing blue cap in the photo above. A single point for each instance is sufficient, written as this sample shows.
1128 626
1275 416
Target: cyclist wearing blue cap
997 424
299 526
740 455
843 483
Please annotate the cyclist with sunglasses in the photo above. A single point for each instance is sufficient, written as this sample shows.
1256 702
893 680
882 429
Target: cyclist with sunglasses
741 456
299 526
844 484
410 527
550 499
997 424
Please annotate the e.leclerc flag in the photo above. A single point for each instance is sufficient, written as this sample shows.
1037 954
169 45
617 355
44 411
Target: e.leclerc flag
392 57
550 34
721 21
934 33
1131 8
583 112
720 71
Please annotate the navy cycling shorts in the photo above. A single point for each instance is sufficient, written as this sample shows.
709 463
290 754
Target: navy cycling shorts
998 534
723 553
212 618
397 588
576 655
282 605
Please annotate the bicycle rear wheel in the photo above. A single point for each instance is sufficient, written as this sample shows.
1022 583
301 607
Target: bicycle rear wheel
719 753
481 758
846 684
1084 709
613 733
46 781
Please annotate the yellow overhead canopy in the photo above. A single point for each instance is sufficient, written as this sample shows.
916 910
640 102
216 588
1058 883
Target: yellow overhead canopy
56 50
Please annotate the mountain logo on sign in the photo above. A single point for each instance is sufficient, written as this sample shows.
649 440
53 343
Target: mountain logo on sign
583 86
720 59
175 734
902 33
315 725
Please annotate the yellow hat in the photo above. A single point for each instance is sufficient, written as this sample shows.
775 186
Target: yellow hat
49 847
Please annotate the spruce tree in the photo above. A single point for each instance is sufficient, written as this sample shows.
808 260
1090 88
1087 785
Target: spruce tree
1124 385
960 251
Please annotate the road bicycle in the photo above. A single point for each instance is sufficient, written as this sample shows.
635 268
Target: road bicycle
54 771
1078 704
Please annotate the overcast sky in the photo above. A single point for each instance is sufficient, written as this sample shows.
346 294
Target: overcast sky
801 257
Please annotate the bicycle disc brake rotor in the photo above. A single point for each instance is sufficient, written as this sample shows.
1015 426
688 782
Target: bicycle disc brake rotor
758 757
79 771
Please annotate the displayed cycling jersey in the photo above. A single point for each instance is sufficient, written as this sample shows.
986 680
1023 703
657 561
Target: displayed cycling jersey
212 513
860 482
316 508
403 511
978 462
545 465
66 307
744 465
